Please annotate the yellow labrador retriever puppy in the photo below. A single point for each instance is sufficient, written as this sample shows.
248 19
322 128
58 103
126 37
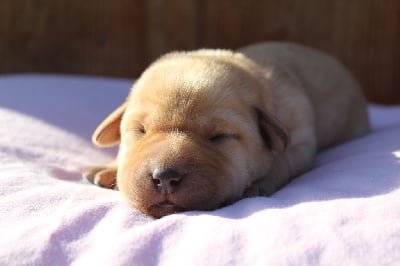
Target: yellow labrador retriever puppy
203 129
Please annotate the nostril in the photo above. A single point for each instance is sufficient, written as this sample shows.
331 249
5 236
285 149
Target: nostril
174 182
156 181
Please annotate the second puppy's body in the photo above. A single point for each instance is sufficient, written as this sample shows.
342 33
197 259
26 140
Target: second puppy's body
205 128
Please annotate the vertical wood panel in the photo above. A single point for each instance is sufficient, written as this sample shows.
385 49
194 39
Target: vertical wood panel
119 38
91 37
171 25
363 34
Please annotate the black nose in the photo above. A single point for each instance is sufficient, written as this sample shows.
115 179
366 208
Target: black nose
166 180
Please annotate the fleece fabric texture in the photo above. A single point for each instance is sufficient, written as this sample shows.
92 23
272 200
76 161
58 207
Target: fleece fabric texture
346 211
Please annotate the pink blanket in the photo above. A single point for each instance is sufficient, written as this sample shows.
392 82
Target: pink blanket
346 211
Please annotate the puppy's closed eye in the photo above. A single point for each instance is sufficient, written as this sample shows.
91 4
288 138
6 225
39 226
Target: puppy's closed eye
221 137
138 129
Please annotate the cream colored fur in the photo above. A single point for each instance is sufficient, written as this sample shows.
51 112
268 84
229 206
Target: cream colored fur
229 125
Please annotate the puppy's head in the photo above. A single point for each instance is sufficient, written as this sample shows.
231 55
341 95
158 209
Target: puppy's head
194 133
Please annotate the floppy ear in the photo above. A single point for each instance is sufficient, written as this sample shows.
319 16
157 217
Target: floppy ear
107 133
272 131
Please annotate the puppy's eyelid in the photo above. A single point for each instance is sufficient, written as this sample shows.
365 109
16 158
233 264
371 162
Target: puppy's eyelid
138 130
220 137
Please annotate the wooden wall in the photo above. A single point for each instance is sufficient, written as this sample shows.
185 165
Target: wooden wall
120 37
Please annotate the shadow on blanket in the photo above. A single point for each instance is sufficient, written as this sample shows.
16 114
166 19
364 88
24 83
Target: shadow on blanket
360 169
73 103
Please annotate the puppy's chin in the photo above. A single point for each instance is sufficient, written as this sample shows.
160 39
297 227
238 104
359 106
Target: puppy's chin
163 209
161 205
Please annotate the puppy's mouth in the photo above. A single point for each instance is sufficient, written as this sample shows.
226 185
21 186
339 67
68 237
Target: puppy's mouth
164 208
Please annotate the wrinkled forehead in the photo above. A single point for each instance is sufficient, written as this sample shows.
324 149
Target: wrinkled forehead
186 98
184 84
192 75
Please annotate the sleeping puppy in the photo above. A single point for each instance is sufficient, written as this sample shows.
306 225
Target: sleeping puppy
203 129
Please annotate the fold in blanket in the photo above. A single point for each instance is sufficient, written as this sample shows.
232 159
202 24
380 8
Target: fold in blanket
343 212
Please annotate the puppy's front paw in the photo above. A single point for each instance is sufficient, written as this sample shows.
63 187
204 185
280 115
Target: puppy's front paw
103 176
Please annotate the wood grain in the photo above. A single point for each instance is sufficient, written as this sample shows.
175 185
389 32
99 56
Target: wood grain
121 37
